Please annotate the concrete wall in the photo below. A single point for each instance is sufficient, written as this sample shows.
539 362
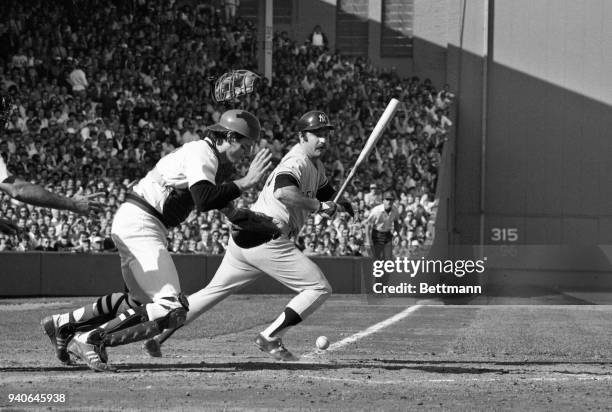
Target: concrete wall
308 14
69 274
465 67
431 35
533 137
430 28
550 111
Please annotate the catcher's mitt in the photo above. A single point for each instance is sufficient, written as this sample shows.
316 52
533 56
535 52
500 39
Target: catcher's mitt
234 84
250 229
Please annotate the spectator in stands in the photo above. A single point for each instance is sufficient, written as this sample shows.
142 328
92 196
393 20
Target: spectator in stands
309 249
77 79
143 95
45 245
353 246
97 244
5 244
64 244
317 38
373 197
230 7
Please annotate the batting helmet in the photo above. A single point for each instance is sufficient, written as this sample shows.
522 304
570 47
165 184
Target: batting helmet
239 121
314 120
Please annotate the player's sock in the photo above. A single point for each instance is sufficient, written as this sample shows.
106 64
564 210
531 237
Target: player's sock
280 326
102 310
301 306
309 300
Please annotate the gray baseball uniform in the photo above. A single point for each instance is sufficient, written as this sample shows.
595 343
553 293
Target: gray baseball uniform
278 258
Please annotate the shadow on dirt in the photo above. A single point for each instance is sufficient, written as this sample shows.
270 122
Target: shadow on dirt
450 367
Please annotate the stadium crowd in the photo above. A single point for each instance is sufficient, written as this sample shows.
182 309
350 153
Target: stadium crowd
101 92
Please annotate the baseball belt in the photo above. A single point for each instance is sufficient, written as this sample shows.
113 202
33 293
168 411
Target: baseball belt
381 238
134 199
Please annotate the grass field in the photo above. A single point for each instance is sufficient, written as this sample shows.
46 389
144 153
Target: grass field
530 357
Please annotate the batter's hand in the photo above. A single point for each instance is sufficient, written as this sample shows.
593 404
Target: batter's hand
84 204
257 170
328 210
8 227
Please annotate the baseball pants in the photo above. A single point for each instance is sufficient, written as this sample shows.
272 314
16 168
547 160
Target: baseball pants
146 265
279 259
383 252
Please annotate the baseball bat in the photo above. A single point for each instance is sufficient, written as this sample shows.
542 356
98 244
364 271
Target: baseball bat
380 127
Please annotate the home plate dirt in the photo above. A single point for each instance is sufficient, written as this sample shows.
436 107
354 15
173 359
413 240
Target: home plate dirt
383 357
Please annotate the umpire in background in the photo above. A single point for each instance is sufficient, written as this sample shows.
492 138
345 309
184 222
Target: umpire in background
382 221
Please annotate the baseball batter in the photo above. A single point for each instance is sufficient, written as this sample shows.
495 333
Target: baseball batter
162 199
296 188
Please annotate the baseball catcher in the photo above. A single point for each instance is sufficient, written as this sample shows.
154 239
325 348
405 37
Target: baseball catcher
180 181
296 188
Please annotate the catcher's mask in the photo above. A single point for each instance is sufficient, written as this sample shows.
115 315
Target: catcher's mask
238 121
234 84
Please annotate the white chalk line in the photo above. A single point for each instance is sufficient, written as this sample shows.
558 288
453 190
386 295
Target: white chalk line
517 378
18 307
366 332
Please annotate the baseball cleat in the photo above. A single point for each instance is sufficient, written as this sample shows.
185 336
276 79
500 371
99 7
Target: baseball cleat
59 339
153 348
274 347
94 356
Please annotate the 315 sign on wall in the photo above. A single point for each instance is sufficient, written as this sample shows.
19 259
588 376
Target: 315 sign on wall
505 234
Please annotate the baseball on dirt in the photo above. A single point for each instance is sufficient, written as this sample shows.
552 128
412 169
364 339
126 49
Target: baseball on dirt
322 342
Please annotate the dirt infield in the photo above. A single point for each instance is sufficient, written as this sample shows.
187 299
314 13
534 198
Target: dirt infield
434 357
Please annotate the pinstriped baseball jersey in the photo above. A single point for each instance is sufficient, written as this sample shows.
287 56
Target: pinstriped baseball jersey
310 175
189 164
